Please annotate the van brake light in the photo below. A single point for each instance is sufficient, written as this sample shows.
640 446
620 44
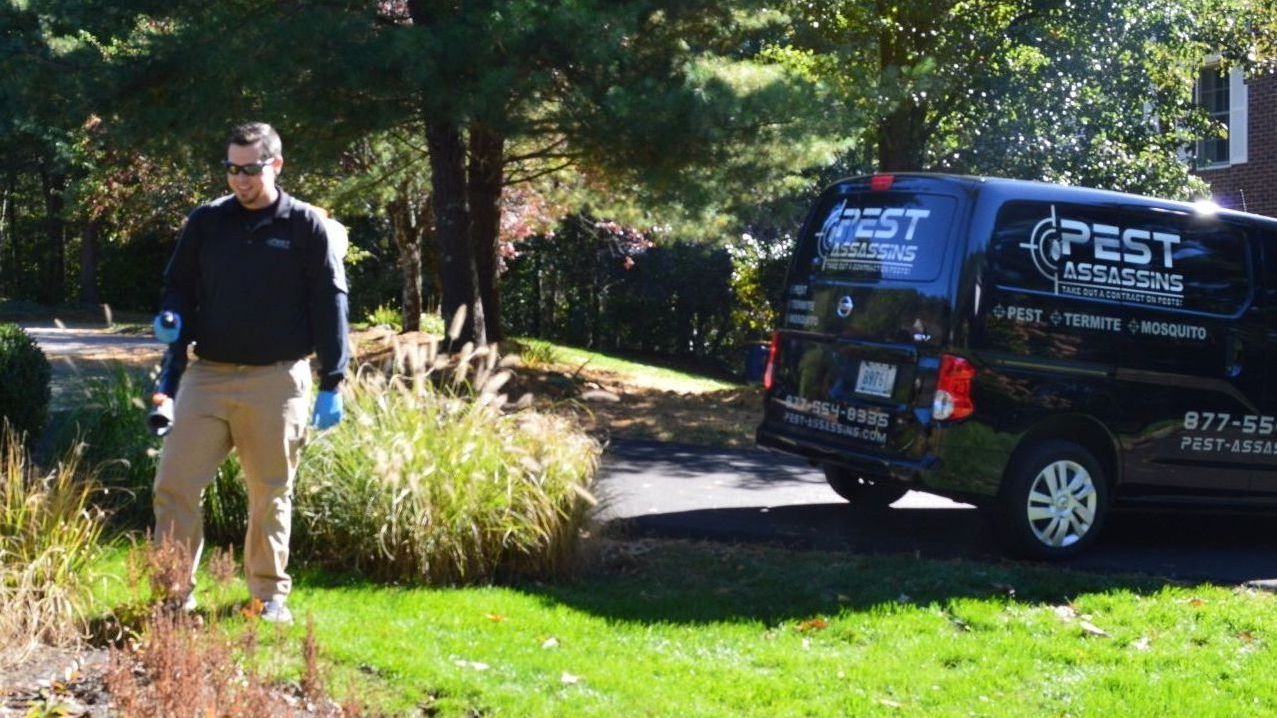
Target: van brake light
881 183
769 374
953 389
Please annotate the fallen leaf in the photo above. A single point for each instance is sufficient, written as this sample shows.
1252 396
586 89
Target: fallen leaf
813 624
890 703
476 665
1141 644
569 679
1065 612
252 609
495 617
550 642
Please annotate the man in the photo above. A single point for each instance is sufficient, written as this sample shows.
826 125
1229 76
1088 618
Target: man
256 284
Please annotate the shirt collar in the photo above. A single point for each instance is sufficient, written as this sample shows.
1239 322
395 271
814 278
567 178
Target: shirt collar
283 204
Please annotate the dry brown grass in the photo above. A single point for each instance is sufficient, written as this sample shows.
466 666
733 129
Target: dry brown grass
168 567
48 534
176 666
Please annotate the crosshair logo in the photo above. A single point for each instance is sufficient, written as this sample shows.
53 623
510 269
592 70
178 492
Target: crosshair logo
1046 246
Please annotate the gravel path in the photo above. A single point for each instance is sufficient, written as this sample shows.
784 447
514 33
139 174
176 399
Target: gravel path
86 351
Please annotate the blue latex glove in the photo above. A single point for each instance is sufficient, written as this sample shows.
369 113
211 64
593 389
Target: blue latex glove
168 326
328 410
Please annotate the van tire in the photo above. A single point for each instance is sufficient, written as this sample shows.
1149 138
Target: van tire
1053 502
864 491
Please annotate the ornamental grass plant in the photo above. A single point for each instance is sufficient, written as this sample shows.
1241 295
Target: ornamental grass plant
49 533
434 478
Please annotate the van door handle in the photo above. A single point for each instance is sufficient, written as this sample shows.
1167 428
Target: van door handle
1232 357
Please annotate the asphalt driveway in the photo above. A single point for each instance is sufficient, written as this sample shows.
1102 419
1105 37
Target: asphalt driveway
672 490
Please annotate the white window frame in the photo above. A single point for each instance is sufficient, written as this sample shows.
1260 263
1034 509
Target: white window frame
1238 117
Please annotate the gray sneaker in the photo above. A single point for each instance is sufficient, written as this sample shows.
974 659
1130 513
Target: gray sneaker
276 612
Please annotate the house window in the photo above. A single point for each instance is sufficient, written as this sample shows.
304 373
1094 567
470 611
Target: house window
1212 94
1222 93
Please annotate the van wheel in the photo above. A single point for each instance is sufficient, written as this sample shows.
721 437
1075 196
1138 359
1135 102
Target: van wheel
1053 502
864 491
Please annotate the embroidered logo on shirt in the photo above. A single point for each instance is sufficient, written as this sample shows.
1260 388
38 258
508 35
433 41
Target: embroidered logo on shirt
278 243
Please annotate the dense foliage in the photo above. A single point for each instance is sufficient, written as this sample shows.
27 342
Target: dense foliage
425 126
24 382
598 285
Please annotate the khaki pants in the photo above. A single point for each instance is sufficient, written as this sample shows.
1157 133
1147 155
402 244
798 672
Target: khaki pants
261 411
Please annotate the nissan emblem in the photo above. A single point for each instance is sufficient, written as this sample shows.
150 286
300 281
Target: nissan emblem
845 305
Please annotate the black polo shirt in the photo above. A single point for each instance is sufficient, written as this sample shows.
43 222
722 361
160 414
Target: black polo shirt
260 287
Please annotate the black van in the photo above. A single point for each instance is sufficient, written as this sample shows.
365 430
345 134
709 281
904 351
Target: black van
1040 350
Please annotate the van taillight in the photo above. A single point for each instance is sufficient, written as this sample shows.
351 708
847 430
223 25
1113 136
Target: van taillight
770 371
953 389
881 183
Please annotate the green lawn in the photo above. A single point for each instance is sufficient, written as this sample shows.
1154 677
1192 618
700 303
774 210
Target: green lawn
684 629
644 374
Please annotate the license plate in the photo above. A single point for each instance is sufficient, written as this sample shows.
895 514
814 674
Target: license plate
876 379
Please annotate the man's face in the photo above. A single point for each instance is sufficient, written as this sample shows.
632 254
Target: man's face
253 191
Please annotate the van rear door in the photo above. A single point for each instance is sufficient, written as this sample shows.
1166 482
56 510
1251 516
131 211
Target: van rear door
868 305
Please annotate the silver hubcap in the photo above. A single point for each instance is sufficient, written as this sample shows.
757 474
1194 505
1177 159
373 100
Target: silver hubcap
1062 503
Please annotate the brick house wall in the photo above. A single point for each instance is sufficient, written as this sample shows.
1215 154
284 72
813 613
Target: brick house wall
1252 185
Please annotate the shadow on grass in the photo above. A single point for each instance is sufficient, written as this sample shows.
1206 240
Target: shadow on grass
693 583
646 573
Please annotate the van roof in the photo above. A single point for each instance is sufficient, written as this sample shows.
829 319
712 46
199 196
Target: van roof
1033 189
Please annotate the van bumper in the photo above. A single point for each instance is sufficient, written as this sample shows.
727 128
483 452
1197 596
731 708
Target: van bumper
958 479
909 471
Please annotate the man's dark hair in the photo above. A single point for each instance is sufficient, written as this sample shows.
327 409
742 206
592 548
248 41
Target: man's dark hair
250 133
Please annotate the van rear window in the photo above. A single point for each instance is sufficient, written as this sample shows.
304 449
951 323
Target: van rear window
878 235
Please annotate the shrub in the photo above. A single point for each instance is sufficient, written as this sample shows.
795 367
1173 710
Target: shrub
423 484
24 382
592 284
389 316
48 535
535 352
385 315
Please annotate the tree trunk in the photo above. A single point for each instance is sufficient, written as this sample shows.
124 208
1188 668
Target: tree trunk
902 134
52 289
6 235
89 235
410 220
902 138
457 273
487 155
12 276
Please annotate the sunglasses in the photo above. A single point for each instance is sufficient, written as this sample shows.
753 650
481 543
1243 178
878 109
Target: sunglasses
252 169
